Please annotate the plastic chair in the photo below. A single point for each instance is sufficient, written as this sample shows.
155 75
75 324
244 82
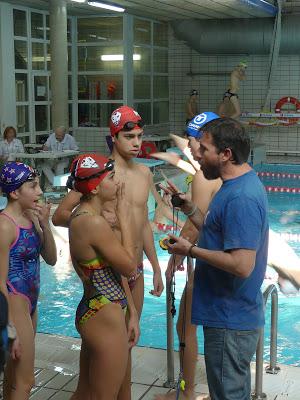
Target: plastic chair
147 148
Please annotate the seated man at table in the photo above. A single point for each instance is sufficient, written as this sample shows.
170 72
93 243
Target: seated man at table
57 141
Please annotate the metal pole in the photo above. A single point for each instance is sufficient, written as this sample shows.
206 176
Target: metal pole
170 338
272 368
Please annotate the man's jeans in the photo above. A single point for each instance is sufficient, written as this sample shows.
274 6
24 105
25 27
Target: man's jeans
228 354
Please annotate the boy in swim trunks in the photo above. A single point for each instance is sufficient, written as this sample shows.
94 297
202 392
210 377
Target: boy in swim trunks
126 128
230 106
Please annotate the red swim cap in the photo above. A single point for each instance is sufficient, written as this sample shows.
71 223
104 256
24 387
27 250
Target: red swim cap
121 116
88 170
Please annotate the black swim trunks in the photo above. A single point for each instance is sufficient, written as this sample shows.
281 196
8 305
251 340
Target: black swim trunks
229 94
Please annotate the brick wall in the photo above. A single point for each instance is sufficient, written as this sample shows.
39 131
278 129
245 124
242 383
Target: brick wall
183 59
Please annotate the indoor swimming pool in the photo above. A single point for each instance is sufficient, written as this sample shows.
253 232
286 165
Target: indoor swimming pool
61 289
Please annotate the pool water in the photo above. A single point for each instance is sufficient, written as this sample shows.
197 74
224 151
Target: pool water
61 289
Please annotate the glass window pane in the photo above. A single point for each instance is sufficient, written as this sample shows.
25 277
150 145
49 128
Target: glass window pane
100 29
37 26
69 33
95 114
22 119
70 97
141 59
160 34
160 87
40 88
38 58
70 58
160 112
97 87
70 116
47 27
20 54
20 26
142 87
21 87
41 118
160 60
144 109
48 58
141 31
100 58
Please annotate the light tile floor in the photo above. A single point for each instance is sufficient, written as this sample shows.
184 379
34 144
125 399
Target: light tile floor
57 372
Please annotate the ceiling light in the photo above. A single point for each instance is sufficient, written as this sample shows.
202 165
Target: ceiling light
79 1
118 57
106 6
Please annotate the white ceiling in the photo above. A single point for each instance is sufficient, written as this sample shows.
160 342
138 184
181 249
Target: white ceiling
172 9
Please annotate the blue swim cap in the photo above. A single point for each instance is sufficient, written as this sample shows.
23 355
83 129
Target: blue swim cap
14 174
194 126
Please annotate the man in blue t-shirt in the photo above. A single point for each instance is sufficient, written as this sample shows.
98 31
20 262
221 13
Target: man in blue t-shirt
231 259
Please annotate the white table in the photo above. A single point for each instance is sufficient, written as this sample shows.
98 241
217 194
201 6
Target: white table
43 155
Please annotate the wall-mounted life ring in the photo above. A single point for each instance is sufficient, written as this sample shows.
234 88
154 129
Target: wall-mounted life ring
288 100
146 149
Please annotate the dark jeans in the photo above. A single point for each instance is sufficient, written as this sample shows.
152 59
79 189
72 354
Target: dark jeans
228 354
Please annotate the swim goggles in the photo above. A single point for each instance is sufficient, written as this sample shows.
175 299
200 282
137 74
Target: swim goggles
109 166
128 126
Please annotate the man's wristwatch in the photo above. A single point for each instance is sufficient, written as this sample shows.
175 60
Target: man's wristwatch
11 332
189 253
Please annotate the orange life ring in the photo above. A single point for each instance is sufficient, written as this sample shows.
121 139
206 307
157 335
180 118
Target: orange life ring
146 149
288 100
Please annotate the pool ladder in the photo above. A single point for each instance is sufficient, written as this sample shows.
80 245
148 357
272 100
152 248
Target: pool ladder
272 368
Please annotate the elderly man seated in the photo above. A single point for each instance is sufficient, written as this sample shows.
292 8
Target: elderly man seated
57 141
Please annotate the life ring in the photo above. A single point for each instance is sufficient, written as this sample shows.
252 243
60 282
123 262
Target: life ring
288 100
146 149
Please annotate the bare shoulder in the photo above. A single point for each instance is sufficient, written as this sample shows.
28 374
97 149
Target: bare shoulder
141 168
7 230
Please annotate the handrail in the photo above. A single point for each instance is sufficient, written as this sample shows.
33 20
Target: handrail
272 368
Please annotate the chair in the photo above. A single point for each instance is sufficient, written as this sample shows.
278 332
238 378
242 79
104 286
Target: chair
109 143
147 148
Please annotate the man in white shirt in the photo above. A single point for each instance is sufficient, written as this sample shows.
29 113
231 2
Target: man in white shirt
57 141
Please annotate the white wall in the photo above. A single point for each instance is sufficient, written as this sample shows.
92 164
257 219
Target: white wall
211 88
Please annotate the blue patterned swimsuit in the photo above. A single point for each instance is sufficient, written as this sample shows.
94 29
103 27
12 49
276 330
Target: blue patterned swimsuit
24 264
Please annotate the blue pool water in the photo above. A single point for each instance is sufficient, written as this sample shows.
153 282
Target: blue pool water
61 289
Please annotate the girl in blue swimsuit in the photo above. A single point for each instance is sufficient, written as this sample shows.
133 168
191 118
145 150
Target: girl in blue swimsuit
25 234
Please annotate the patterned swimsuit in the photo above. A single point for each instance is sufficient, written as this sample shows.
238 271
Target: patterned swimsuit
103 287
24 264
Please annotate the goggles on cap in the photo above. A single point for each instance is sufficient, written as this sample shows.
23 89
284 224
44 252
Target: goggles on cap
109 166
128 126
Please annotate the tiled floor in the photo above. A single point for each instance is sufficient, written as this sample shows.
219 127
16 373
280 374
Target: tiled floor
57 372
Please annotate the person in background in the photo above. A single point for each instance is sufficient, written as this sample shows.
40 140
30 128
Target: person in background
230 106
25 235
231 259
57 141
10 144
192 105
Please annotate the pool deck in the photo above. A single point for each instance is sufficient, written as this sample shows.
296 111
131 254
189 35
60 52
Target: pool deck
56 370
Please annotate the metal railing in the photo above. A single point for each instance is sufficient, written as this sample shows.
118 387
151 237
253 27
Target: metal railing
272 368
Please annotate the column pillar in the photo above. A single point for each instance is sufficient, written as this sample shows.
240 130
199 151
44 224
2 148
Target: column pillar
59 63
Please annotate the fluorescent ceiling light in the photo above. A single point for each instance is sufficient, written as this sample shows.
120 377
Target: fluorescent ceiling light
118 57
79 1
106 6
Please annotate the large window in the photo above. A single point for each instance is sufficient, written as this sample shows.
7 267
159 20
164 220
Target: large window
32 71
150 70
100 69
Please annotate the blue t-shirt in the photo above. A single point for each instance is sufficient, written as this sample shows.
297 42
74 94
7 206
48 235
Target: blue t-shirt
237 218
